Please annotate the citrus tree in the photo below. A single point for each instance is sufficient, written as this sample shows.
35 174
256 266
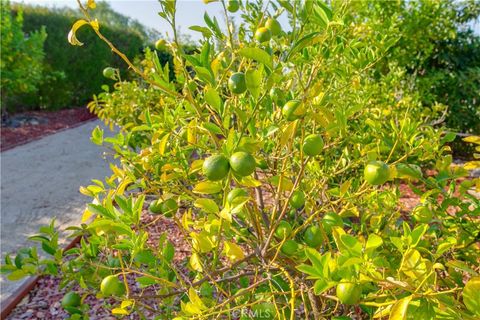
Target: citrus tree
22 56
275 161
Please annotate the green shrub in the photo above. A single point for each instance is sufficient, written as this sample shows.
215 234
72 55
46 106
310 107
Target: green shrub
183 146
67 67
22 56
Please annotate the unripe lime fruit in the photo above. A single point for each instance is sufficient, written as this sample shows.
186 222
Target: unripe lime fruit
313 145
274 26
422 214
156 206
242 163
237 83
235 193
376 173
161 45
263 34
348 292
233 6
112 286
313 236
169 207
289 247
264 311
71 299
109 73
298 199
216 167
283 230
331 220
291 110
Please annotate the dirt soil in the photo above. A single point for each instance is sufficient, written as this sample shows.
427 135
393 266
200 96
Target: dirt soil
33 125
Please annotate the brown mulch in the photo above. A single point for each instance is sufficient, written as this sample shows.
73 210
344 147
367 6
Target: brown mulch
53 122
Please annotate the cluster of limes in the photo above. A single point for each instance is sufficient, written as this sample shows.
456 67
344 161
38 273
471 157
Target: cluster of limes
217 166
166 207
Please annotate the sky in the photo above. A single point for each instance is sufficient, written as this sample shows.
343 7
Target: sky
189 12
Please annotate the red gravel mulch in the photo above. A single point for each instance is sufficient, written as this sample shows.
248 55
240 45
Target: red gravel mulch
53 121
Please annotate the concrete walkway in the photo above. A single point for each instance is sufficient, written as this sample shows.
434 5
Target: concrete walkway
40 181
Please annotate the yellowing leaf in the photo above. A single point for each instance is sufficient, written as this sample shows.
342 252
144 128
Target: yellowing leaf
126 303
399 309
207 187
472 139
233 251
163 144
471 165
87 214
207 205
72 38
202 242
195 262
120 311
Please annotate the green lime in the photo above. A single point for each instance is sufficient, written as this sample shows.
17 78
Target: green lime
376 172
237 83
289 247
298 199
313 236
71 299
274 26
263 34
216 167
243 163
112 286
331 220
233 6
169 207
422 214
313 145
284 229
348 292
109 73
156 206
291 110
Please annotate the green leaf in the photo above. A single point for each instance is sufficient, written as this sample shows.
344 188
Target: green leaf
145 281
204 30
213 99
306 41
207 187
258 55
321 286
373 242
97 136
417 234
253 79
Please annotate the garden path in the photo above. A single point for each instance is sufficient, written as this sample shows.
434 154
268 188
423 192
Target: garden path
40 180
